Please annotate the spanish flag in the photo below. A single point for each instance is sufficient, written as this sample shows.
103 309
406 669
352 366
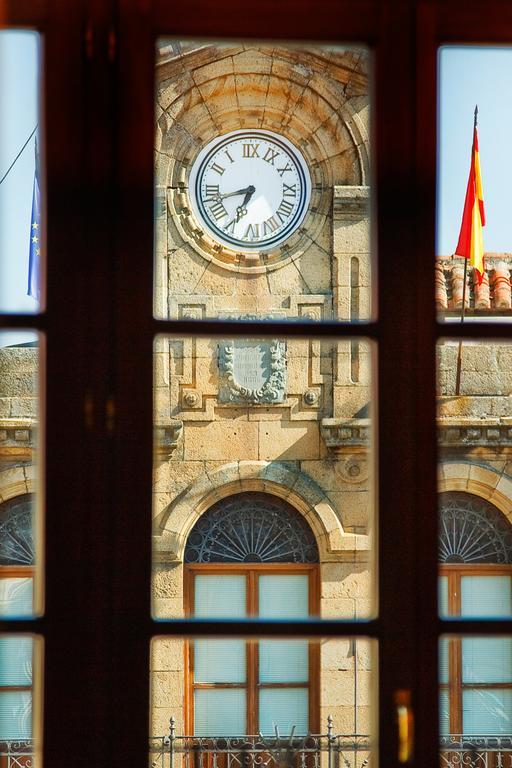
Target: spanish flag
471 241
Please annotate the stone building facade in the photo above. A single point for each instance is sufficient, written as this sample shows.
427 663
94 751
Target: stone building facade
284 425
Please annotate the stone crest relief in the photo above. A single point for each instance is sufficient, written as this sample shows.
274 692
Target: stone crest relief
252 371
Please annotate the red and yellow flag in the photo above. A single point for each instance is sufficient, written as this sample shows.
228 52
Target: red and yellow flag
471 241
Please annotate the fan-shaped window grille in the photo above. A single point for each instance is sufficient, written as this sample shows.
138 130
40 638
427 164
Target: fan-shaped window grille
472 531
16 539
251 528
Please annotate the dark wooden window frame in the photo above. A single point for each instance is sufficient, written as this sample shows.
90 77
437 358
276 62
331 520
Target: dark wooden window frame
252 684
98 94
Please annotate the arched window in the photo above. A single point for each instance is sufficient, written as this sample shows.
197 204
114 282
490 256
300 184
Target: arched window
251 554
16 591
475 550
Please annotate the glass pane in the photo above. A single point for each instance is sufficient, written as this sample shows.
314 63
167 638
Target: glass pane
334 694
474 409
487 712
262 181
21 183
486 595
442 595
219 661
282 596
476 701
284 710
271 488
20 513
20 700
220 596
486 660
283 661
220 712
16 661
444 650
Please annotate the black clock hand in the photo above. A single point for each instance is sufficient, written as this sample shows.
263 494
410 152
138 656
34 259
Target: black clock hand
246 191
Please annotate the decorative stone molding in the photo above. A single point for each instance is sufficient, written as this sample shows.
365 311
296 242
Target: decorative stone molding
311 397
353 469
282 480
458 433
351 200
344 436
479 479
18 438
167 438
252 371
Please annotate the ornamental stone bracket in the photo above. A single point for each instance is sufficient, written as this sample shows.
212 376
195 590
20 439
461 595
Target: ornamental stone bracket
346 436
167 438
473 433
18 438
252 372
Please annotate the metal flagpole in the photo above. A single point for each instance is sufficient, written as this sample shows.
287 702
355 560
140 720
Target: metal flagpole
463 311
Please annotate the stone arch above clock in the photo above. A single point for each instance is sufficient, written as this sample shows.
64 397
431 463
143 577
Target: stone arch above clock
317 98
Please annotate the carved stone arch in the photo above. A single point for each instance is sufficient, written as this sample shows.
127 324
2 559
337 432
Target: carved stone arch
17 481
275 478
480 480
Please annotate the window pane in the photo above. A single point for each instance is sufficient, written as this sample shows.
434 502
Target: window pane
20 504
488 712
21 184
220 712
276 481
219 661
16 661
444 660
262 182
284 709
283 661
20 700
486 660
283 596
335 691
220 596
476 700
486 595
442 596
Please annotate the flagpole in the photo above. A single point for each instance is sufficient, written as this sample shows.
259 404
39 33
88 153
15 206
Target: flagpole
463 310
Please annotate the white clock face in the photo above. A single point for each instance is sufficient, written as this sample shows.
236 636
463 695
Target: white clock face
251 189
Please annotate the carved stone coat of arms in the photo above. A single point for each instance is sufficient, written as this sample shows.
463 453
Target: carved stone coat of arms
252 371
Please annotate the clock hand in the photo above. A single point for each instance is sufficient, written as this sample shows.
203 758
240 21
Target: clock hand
242 209
246 191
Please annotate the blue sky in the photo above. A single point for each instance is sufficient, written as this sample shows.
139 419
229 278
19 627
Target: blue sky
466 76
469 76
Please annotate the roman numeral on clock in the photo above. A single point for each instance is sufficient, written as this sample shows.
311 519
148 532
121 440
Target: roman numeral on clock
270 156
218 169
289 190
217 210
252 232
250 150
270 225
284 210
287 167
212 192
230 227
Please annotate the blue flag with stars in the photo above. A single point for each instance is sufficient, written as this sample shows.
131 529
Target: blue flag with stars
34 257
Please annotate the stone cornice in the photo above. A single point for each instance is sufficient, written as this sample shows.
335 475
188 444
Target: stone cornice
344 436
475 433
351 200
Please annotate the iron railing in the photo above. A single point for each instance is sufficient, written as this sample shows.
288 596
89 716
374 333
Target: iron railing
327 750
468 751
17 753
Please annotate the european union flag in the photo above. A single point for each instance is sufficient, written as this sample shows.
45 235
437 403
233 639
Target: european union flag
34 258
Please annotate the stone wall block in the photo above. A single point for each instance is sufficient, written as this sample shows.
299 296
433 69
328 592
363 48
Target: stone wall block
167 608
351 235
221 441
167 581
297 441
337 689
167 654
